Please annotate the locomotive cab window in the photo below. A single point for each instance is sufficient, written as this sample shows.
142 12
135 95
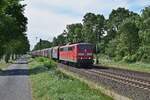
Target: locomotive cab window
83 47
70 48
65 49
61 49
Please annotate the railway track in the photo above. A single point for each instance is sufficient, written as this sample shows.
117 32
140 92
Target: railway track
127 80
127 85
138 83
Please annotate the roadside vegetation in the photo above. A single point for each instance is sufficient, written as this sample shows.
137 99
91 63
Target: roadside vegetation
50 84
13 39
137 66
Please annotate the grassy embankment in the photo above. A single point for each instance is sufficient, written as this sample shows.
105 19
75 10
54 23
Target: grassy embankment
50 84
138 66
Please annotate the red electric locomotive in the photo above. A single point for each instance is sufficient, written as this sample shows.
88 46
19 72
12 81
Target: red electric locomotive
80 53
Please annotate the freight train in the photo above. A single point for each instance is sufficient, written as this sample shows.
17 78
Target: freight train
79 53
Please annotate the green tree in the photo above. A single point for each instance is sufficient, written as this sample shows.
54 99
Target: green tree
61 40
116 18
122 33
144 33
93 27
74 34
42 44
13 39
129 37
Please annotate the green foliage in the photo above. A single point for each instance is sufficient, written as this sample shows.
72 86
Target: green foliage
50 64
55 41
46 62
13 39
129 59
111 48
144 34
127 35
118 16
61 39
138 66
129 38
143 54
74 34
93 28
40 59
42 44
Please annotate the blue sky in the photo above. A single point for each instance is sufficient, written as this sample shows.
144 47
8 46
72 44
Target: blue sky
48 18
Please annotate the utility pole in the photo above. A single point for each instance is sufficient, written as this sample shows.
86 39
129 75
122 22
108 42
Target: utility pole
97 58
96 44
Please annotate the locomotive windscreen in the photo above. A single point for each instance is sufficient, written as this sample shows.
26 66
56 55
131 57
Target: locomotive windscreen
85 46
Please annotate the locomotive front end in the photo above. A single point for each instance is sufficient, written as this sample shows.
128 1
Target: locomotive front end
85 54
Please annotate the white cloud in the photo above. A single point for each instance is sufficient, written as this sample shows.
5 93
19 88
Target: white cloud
82 6
45 24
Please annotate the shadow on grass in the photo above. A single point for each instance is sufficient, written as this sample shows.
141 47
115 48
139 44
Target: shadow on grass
23 72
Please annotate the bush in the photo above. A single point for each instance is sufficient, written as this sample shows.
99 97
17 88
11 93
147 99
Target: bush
40 59
143 54
129 59
134 58
111 48
145 58
118 58
50 64
47 62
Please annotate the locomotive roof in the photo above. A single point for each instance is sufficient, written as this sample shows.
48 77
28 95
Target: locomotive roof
56 47
76 44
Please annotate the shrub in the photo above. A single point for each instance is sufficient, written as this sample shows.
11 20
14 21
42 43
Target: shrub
143 54
134 58
50 64
129 59
40 59
118 58
145 58
111 48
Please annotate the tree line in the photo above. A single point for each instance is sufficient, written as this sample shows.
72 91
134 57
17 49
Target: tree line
13 39
42 44
125 35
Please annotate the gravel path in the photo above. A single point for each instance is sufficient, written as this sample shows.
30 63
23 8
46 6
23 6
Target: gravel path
14 82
